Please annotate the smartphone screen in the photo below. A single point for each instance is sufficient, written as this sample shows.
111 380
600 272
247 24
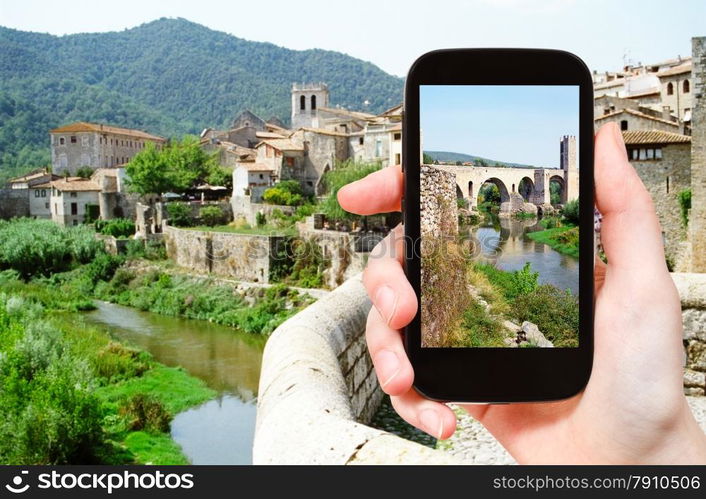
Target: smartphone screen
499 209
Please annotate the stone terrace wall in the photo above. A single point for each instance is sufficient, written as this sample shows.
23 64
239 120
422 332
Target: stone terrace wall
14 203
692 290
240 256
437 197
317 388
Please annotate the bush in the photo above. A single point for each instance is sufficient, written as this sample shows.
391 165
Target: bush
286 192
180 215
308 266
211 215
261 219
50 415
685 206
116 362
41 247
145 412
512 284
554 311
570 213
117 227
103 267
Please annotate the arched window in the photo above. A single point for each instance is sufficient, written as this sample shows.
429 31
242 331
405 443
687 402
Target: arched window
686 86
670 88
302 102
313 102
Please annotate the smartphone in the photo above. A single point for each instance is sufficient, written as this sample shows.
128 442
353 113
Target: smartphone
499 224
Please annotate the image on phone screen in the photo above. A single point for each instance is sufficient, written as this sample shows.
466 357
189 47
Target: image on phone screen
499 207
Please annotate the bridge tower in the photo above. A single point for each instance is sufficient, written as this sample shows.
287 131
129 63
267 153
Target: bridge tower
567 148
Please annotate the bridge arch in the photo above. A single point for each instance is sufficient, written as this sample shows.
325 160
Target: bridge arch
502 188
526 189
561 183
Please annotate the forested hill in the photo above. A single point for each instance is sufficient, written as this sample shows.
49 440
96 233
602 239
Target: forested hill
169 76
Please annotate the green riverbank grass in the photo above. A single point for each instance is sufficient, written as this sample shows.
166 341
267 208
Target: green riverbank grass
564 239
56 363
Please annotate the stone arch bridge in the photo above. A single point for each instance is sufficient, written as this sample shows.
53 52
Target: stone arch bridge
531 184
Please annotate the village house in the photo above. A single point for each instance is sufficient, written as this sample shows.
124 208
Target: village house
37 188
663 161
95 146
74 200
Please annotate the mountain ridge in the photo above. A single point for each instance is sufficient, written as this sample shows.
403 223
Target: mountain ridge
168 76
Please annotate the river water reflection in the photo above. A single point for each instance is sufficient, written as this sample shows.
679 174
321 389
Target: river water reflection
504 242
219 431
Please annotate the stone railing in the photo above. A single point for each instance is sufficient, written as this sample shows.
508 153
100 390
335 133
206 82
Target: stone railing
318 389
692 290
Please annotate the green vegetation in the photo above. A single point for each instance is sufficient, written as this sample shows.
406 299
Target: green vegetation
40 247
456 157
556 312
286 192
71 395
523 215
205 299
685 206
344 173
554 193
307 269
117 227
169 77
510 284
211 215
480 329
180 214
570 213
564 239
489 198
175 167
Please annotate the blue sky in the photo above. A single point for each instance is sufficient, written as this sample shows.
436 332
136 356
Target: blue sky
392 33
518 124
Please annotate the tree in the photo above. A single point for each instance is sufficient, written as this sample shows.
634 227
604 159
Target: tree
175 168
427 159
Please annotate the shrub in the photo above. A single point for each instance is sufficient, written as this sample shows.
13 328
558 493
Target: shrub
50 415
145 412
511 284
103 267
261 219
116 362
570 213
211 215
117 227
286 192
180 214
554 311
685 206
308 265
41 247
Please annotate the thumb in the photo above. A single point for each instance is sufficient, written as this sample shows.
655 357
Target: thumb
630 232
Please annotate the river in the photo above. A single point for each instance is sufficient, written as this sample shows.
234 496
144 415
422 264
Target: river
504 242
221 430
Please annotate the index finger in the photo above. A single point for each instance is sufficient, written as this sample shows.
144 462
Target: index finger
379 192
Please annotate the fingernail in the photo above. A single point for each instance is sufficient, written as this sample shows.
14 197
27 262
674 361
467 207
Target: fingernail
387 365
386 302
431 422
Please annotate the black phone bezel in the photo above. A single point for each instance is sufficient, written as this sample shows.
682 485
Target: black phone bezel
500 374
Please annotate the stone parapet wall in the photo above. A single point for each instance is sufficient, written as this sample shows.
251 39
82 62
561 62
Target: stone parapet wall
239 256
692 290
437 197
317 389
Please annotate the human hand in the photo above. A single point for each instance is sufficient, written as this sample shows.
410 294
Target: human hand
633 409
